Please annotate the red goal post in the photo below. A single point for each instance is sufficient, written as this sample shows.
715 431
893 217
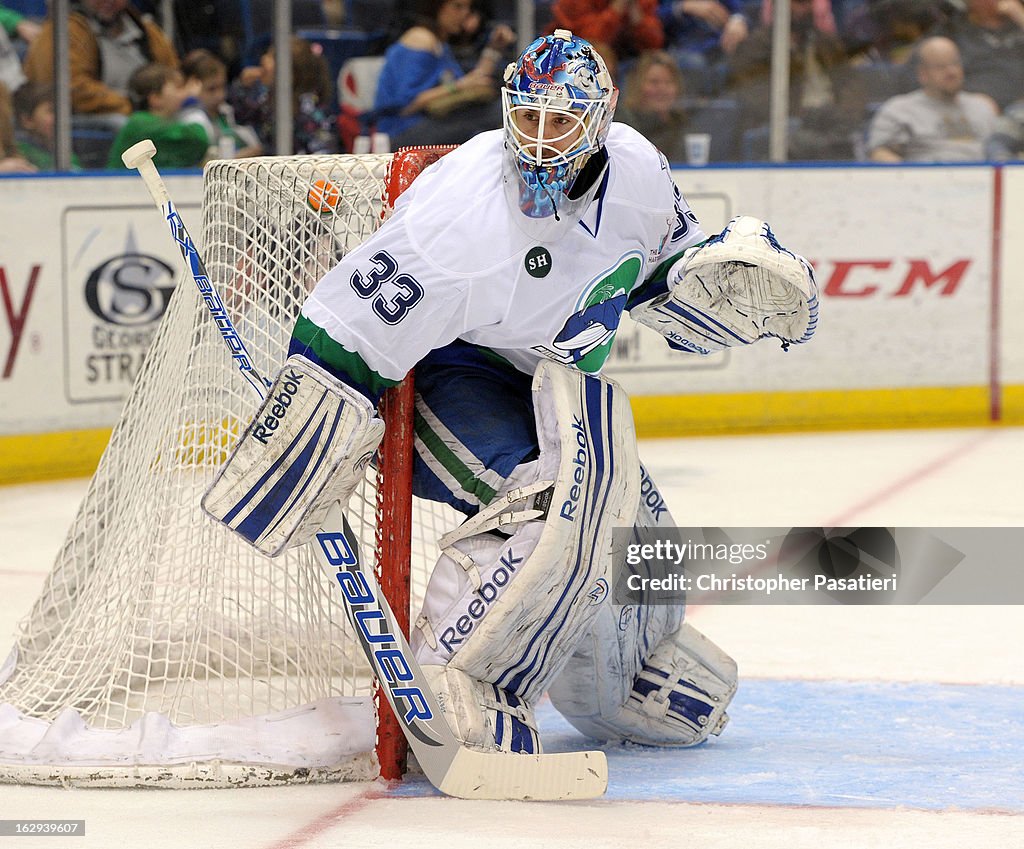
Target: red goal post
394 490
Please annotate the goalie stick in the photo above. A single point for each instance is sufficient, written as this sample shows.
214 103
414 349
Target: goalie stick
451 767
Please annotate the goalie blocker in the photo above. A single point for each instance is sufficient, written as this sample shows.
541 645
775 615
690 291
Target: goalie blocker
307 447
735 288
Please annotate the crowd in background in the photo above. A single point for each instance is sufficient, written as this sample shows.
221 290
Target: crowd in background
881 80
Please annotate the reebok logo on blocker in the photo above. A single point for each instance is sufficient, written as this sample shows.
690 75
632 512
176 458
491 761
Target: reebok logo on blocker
279 408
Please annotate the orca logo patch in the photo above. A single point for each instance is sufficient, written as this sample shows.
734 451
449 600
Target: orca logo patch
586 337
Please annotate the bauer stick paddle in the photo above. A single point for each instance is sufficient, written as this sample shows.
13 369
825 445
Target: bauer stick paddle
451 767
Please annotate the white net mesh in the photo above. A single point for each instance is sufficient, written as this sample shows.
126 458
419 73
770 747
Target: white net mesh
152 608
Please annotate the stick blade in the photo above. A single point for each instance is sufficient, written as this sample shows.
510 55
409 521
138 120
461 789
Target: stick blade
565 776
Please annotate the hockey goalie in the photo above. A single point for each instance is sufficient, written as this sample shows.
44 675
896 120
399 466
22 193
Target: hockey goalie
502 277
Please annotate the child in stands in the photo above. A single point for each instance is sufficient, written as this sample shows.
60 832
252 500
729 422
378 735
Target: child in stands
158 94
34 118
228 140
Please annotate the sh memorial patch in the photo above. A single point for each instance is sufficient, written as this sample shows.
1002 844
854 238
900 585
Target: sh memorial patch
538 262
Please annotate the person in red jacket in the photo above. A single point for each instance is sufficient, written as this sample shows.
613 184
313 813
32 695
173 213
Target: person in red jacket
618 29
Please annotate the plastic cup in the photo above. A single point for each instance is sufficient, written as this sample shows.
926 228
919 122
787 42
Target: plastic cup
698 148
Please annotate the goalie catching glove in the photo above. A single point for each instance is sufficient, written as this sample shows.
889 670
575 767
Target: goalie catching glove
735 288
307 447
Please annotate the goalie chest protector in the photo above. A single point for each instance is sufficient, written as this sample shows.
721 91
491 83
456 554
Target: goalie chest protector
457 261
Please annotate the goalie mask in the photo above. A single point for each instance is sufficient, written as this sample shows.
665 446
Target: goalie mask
557 102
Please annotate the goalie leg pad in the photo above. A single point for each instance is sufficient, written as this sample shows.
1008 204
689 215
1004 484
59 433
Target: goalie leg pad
736 288
681 694
307 447
615 687
506 608
678 698
483 716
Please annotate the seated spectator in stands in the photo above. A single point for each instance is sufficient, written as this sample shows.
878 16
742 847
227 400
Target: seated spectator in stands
11 160
476 32
1007 139
939 122
701 33
159 93
11 75
34 134
423 95
990 35
882 52
108 42
651 103
13 25
824 96
618 29
17 25
228 140
891 30
252 98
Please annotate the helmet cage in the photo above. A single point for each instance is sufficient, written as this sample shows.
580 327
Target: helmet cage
529 117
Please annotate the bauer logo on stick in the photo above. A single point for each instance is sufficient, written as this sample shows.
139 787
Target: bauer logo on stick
323 196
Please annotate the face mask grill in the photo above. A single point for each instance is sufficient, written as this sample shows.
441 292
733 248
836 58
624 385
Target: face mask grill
545 134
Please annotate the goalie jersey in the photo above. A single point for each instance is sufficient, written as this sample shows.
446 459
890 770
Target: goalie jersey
459 261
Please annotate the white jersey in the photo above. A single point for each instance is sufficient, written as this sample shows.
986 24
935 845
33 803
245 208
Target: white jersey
457 261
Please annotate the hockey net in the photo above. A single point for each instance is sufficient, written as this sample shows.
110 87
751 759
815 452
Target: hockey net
161 649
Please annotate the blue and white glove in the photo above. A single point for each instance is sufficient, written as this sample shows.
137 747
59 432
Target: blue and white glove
735 288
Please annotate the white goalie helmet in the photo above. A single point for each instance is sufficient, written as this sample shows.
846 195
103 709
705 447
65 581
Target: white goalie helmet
558 102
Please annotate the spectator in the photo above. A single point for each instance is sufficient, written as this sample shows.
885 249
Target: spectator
476 32
108 41
158 93
617 29
939 122
824 96
990 35
882 38
11 74
252 98
889 33
651 103
11 160
34 116
423 95
1007 139
228 140
16 25
701 33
